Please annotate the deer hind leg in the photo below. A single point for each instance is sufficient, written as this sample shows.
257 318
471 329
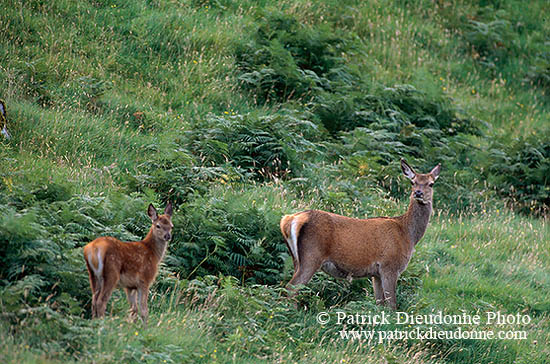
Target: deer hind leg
110 280
94 285
95 273
378 290
389 283
303 274
131 294
308 265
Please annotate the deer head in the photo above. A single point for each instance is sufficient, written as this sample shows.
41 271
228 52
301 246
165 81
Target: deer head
422 184
162 225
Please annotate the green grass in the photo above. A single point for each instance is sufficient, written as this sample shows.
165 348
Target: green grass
455 270
240 112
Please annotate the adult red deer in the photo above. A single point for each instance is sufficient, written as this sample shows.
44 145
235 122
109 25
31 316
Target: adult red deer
345 247
132 265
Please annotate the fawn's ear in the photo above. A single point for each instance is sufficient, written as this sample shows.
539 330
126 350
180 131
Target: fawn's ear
168 209
152 212
407 170
435 171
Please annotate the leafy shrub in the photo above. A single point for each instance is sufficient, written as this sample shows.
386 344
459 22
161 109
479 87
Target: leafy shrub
174 173
426 112
54 331
402 105
518 169
338 111
286 59
539 72
492 37
230 232
263 147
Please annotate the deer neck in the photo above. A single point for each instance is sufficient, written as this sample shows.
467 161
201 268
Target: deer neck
416 219
157 246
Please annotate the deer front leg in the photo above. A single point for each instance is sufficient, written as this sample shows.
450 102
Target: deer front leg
389 282
143 293
378 290
131 294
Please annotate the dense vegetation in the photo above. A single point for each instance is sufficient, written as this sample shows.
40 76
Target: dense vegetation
240 112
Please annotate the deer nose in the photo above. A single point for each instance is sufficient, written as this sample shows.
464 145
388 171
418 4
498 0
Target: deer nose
418 194
167 236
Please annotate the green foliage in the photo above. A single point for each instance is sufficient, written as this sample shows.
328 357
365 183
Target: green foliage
519 171
491 36
401 105
287 59
91 90
173 173
539 72
262 147
234 233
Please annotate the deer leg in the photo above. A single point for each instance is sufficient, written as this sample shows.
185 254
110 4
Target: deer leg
378 290
93 286
143 293
389 282
131 294
302 275
95 297
110 279
96 289
96 284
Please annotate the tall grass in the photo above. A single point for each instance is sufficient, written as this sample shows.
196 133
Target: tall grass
457 267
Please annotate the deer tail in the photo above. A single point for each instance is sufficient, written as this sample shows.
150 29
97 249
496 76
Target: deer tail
95 259
290 228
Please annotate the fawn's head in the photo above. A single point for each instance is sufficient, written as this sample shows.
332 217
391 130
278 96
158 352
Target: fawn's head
422 184
162 225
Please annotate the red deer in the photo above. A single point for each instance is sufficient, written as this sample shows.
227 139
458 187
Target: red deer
131 265
3 120
345 247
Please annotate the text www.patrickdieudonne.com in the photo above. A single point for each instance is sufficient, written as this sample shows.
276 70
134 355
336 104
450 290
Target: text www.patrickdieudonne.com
385 327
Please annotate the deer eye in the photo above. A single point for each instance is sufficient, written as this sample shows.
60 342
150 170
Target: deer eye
158 226
431 184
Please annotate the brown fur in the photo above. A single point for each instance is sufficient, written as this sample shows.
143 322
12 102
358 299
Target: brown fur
346 247
131 265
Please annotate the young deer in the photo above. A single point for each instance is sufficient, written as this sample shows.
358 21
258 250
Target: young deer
132 265
344 247
4 120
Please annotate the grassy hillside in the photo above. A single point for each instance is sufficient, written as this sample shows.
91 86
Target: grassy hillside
242 111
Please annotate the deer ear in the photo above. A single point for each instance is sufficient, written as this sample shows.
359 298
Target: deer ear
435 171
168 209
152 212
407 170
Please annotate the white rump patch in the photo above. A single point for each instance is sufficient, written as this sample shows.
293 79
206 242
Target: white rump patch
293 241
99 269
